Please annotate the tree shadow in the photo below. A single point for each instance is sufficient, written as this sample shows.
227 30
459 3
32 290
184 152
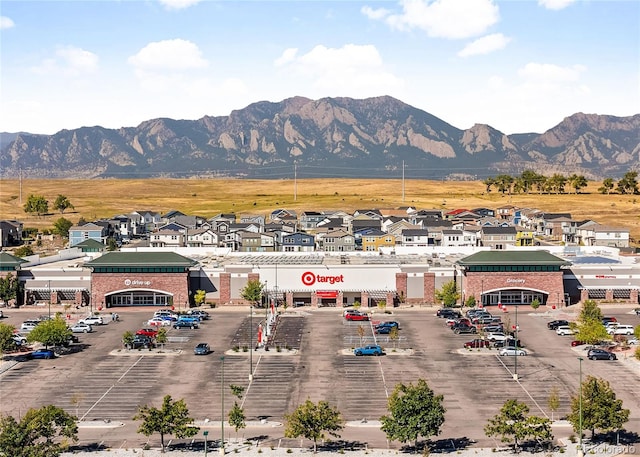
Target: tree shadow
342 445
88 447
441 446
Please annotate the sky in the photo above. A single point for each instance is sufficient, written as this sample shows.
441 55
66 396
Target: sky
517 65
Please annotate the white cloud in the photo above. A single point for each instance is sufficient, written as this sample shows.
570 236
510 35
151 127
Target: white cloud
352 70
287 56
6 23
175 54
69 61
555 4
550 74
178 4
485 45
453 19
375 14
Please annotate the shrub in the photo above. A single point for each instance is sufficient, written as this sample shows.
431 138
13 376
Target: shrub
236 348
245 348
636 354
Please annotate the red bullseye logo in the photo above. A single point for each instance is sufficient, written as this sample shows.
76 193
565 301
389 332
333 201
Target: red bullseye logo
308 278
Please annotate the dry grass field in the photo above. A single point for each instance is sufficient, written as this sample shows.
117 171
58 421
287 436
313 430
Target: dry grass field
105 198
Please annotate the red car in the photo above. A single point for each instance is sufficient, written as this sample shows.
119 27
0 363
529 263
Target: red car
150 332
477 343
575 343
356 317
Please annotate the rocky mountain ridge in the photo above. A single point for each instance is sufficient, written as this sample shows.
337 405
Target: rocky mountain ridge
330 137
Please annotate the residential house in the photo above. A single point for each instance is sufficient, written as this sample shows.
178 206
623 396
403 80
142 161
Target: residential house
484 212
498 237
144 221
91 245
167 238
298 242
222 221
376 239
453 238
279 214
257 242
202 237
123 226
397 228
416 237
246 226
505 212
337 241
10 233
593 234
363 222
309 220
280 230
253 218
80 233
561 229
525 237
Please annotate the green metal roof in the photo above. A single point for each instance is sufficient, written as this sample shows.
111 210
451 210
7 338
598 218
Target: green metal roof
89 243
10 262
144 259
512 258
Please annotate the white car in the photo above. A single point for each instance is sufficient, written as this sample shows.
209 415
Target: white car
633 341
497 336
92 320
81 327
512 351
621 330
19 339
159 322
564 330
27 326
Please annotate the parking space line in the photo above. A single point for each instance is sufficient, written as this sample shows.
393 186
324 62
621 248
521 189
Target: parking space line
111 388
520 384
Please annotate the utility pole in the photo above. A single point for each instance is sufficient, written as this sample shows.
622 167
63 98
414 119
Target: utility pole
581 450
222 407
403 181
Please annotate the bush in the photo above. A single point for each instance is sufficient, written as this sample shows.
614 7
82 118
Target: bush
236 348
245 348
636 354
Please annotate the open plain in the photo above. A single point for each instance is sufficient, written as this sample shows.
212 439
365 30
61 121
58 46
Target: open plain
207 197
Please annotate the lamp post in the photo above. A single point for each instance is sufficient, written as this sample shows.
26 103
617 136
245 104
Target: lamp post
205 433
580 450
222 407
49 287
515 358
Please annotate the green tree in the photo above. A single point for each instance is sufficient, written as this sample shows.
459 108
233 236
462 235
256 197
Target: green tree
591 332
53 332
252 292
23 251
448 294
590 312
61 227
62 203
556 183
601 410
10 287
171 419
237 417
414 411
127 339
489 182
553 402
161 337
629 183
503 183
312 420
199 297
111 244
513 424
37 433
6 338
36 204
607 186
394 335
470 302
636 331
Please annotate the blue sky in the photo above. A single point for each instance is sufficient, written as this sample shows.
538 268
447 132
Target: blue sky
519 66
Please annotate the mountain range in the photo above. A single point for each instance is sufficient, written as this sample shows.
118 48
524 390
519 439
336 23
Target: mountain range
378 137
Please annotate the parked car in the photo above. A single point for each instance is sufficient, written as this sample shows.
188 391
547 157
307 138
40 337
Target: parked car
166 314
458 329
493 328
159 322
372 349
633 341
27 326
553 325
448 313
383 330
81 327
600 354
620 330
185 324
461 321
92 320
476 343
575 343
497 336
142 341
564 330
512 351
508 343
637 311
19 339
388 324
150 332
203 315
606 320
188 318
42 354
202 349
484 319
356 317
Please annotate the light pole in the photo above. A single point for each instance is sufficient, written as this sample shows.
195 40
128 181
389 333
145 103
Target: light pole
515 358
49 287
205 433
580 450
222 407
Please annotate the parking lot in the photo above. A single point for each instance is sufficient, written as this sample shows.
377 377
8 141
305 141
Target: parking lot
100 383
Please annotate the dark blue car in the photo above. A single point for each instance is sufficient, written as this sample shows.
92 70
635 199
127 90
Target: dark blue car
42 354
